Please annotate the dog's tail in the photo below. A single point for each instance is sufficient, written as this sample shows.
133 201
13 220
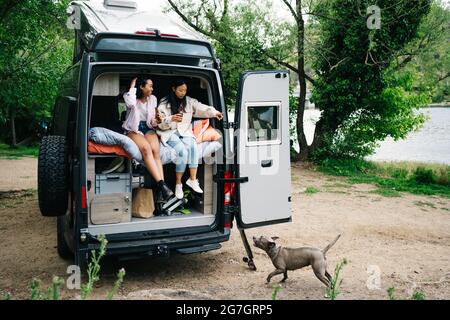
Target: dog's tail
330 244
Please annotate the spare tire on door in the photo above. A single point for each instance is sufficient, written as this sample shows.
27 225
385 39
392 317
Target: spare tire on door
53 176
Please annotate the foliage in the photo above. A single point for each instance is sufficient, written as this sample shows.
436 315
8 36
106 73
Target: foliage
311 190
18 152
117 284
390 292
275 290
52 291
94 268
427 55
86 289
393 178
35 50
334 290
417 295
362 101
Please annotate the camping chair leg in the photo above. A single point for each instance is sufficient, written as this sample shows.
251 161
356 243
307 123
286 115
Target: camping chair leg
248 249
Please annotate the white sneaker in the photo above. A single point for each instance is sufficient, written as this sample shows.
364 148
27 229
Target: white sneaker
179 191
194 185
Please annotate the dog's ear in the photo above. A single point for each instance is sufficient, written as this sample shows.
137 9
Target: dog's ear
275 238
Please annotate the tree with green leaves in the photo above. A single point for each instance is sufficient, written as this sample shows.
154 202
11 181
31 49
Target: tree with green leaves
361 99
35 49
359 77
426 57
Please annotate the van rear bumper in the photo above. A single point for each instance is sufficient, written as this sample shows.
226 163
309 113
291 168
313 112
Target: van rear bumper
161 246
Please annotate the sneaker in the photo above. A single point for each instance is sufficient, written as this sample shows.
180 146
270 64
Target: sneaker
194 185
179 191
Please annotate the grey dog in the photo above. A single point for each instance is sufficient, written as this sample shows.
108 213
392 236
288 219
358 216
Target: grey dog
285 259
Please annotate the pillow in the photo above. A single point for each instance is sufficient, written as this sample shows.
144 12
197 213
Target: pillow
110 138
123 145
104 149
204 131
207 148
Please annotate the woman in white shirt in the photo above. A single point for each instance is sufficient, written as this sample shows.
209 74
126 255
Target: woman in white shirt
175 129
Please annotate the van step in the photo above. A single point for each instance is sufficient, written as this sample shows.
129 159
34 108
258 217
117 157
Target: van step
204 248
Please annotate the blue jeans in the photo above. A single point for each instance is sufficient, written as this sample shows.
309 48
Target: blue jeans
186 149
144 128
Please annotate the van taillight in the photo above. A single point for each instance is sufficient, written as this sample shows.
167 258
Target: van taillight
228 189
83 197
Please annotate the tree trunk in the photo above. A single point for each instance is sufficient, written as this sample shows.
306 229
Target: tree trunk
304 148
12 115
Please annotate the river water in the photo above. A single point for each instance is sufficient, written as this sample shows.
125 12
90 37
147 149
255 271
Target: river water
430 144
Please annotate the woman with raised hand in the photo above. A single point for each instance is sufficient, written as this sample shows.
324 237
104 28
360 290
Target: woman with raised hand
140 125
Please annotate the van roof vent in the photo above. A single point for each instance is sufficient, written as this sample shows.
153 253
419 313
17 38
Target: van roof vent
121 3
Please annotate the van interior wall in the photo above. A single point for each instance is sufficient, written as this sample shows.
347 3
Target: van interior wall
162 85
105 110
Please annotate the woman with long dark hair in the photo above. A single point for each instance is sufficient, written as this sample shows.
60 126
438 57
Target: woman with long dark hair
140 124
175 129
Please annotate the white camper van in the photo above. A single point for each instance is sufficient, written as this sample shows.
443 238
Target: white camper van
246 180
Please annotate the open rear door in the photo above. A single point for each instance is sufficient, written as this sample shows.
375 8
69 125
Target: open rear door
262 149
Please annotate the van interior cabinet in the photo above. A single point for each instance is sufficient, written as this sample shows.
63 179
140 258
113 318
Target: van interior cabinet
109 193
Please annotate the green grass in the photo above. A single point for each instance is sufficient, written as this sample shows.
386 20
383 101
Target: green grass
93 272
390 292
276 289
9 152
386 192
417 295
392 178
311 190
334 290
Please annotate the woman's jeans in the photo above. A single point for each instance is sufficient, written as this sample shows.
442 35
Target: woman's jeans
186 149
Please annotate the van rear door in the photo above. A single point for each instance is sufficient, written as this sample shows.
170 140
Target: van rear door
262 149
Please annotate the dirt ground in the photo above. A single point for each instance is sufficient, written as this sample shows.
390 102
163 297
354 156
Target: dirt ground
405 239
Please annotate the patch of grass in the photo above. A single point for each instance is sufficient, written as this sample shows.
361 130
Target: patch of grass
386 192
93 270
117 284
9 152
86 289
311 190
52 291
391 178
417 295
390 292
276 289
334 290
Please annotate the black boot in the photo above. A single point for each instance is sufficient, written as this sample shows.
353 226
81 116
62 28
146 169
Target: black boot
159 196
166 193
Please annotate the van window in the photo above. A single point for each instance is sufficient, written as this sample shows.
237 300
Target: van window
263 123
162 47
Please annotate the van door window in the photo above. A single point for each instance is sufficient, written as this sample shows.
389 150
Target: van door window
263 123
